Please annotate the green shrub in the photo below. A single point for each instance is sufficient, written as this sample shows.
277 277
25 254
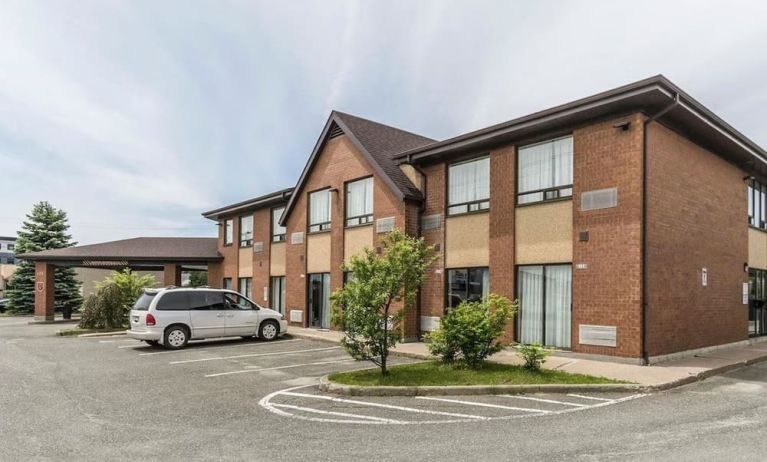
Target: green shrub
533 354
469 333
104 308
130 284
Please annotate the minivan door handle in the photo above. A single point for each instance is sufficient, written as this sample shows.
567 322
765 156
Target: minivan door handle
229 315
220 315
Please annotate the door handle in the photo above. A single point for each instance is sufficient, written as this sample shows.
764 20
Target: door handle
229 315
219 315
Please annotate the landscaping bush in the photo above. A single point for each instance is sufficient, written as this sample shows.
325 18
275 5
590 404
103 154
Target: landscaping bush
533 354
104 308
469 333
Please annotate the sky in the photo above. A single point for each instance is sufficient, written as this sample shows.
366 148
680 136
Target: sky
137 116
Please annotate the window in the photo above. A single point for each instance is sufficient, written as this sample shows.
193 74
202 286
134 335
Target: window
467 284
246 230
235 302
245 287
757 302
319 210
545 304
359 202
174 301
278 293
227 284
203 300
142 304
11 261
757 204
545 171
11 246
469 186
348 277
228 231
278 231
319 300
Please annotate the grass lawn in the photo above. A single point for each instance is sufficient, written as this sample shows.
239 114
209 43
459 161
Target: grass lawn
436 373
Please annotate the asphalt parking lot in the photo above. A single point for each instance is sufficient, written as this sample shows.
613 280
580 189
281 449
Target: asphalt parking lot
114 398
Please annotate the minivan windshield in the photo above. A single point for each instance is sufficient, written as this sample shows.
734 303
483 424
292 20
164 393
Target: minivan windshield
142 304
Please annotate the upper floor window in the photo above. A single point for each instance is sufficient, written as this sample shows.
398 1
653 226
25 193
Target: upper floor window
246 230
469 186
545 171
228 231
278 231
757 204
359 202
11 246
319 210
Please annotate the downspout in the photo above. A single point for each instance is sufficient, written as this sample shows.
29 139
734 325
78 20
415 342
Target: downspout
645 290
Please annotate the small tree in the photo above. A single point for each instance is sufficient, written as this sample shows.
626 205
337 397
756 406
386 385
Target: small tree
470 331
363 306
129 284
198 278
46 228
110 304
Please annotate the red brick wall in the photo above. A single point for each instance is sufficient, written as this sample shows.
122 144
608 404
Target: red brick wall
261 233
697 218
502 200
609 291
432 295
229 267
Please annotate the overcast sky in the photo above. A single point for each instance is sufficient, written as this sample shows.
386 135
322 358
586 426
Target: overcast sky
137 116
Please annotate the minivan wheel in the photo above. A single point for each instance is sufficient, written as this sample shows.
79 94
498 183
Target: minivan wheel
176 337
269 331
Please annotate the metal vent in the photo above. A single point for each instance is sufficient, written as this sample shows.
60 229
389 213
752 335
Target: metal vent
599 199
431 222
296 315
258 247
335 131
384 225
598 335
297 238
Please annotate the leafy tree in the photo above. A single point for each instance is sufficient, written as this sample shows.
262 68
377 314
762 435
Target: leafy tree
45 228
130 285
198 278
110 304
470 331
363 306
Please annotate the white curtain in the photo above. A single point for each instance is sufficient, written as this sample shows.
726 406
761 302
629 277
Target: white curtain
319 207
246 228
546 165
359 198
558 297
485 284
276 228
531 304
563 161
469 181
325 301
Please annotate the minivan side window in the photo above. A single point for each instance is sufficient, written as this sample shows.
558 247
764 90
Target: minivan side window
206 300
143 302
174 301
237 302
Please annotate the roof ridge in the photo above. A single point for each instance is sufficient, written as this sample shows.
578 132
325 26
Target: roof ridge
392 127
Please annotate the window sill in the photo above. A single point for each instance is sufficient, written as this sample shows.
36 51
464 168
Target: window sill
755 228
547 201
360 225
473 212
229 245
322 231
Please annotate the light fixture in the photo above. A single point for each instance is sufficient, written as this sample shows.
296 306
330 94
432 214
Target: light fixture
624 125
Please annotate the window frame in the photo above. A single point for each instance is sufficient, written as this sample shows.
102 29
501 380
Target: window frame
223 284
249 281
283 294
247 242
322 226
757 204
277 237
446 301
365 219
555 191
517 294
469 204
228 240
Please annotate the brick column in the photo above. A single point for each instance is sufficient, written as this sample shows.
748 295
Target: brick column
44 291
172 275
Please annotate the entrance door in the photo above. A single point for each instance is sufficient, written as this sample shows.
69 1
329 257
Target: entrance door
241 316
757 302
206 309
319 300
545 304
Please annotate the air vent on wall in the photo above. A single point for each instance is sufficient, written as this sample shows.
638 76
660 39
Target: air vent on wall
431 222
258 247
335 131
597 335
384 225
599 199
297 238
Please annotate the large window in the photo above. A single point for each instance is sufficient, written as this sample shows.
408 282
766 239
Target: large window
245 287
319 210
278 293
757 302
319 300
227 284
545 304
469 186
228 231
359 202
278 231
467 284
545 171
757 204
246 230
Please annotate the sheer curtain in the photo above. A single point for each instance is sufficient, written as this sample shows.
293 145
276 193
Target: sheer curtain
319 207
469 181
359 198
535 165
325 301
558 296
563 161
531 304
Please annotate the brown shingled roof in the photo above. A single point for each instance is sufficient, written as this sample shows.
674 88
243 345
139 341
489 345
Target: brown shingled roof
178 249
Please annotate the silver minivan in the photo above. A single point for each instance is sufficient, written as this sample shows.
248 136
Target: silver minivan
173 316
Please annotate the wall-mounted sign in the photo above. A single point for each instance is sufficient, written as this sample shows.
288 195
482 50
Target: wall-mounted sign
745 293
704 277
40 286
582 266
266 294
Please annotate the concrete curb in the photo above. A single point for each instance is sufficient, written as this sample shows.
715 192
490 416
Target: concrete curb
103 334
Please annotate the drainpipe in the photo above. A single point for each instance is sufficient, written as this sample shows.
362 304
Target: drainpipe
645 291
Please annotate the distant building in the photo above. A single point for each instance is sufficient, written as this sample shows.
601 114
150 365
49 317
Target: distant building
7 245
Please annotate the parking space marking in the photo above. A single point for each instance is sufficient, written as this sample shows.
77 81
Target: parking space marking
253 355
118 341
214 348
381 405
259 369
589 397
356 417
133 346
473 403
542 400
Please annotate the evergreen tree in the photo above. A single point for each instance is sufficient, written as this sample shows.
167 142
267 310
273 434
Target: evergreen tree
45 228
198 278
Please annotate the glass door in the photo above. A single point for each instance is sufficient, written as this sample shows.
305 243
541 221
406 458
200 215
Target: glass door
545 299
319 300
757 302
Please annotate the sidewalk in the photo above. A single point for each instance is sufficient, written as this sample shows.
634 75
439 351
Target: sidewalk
658 376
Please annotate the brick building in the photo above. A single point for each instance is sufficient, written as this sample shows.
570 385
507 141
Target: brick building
632 223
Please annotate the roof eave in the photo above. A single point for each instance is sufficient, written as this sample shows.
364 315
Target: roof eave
257 203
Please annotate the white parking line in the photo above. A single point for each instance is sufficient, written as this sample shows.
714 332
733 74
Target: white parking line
253 355
381 405
134 346
118 341
256 369
497 406
589 397
214 348
542 400
339 414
